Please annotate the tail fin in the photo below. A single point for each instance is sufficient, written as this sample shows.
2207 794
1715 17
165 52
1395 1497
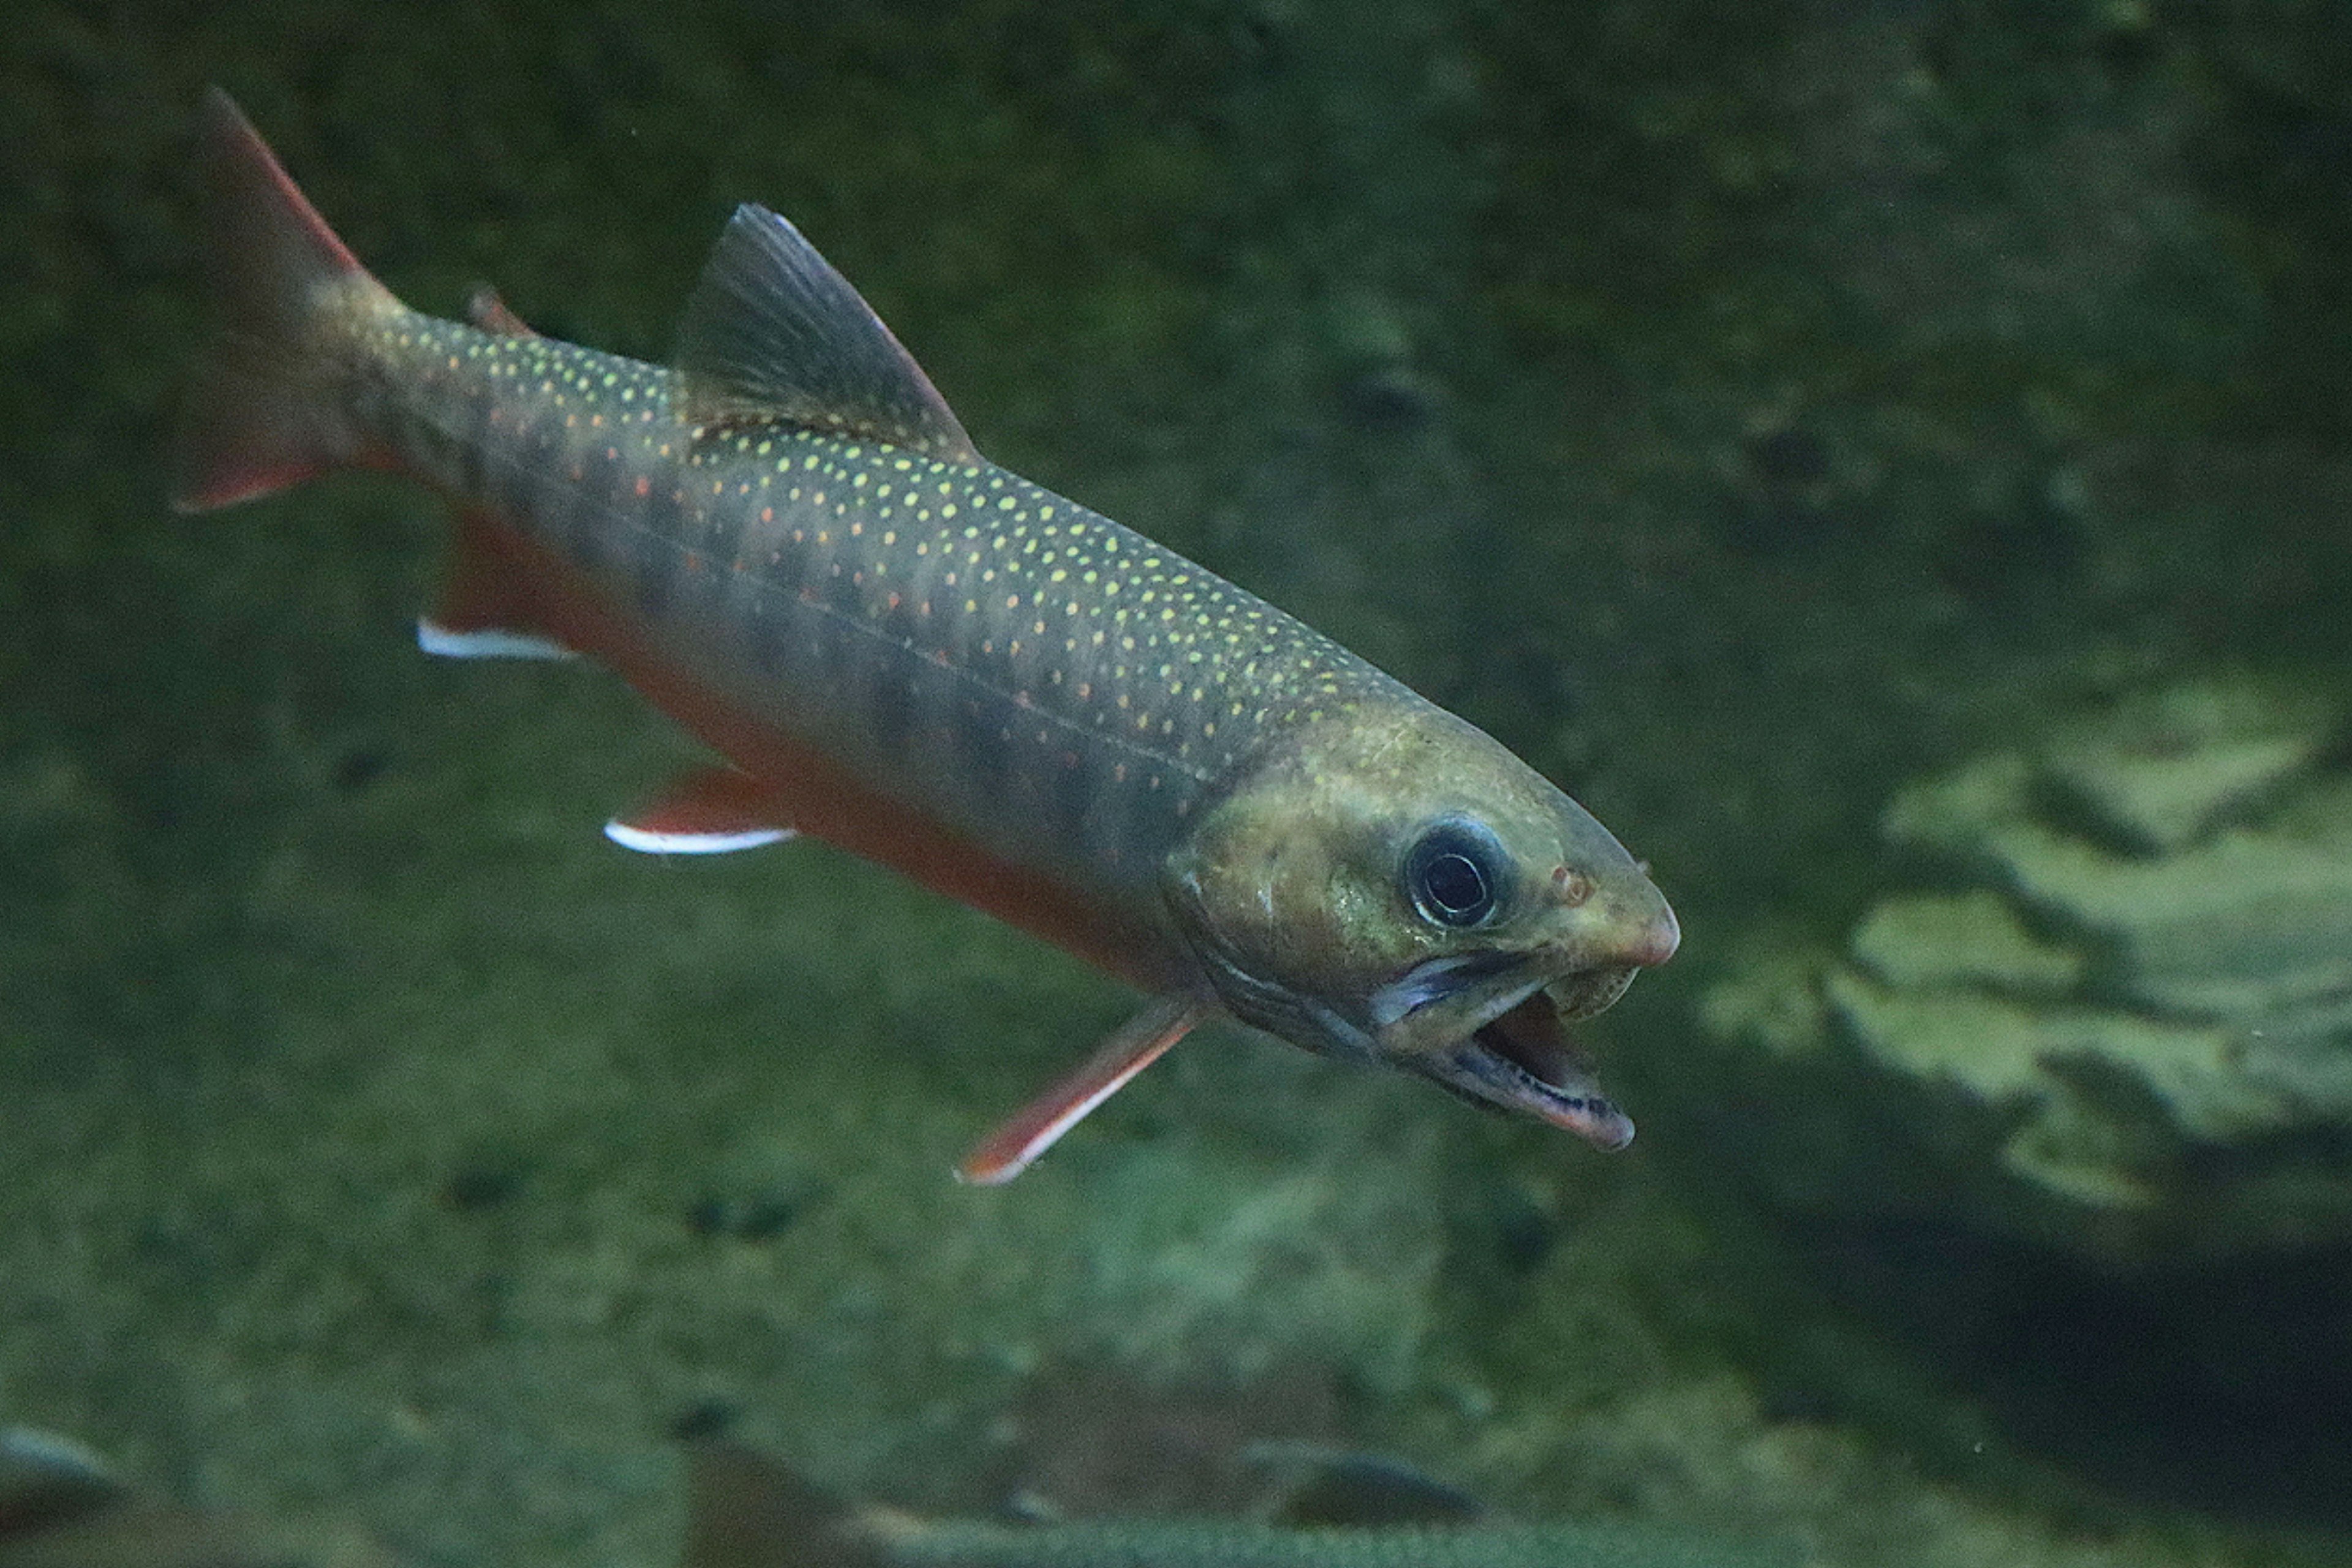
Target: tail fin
268 409
747 1510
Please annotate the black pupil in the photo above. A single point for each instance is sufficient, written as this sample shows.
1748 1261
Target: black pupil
1454 890
1455 885
1457 874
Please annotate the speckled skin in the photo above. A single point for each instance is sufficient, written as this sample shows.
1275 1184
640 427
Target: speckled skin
1049 683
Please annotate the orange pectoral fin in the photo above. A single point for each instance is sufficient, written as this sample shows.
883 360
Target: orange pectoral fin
1032 1129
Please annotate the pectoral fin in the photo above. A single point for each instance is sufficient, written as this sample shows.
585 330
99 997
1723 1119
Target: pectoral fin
1128 1051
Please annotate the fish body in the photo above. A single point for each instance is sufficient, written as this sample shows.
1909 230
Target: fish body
787 540
749 1512
1235 1543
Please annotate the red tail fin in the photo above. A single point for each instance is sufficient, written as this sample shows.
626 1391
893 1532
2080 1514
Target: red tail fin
267 411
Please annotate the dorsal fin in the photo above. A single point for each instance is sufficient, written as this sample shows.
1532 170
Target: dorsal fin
772 332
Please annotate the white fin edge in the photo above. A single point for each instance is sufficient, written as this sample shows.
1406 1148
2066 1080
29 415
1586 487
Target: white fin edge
445 642
1126 1051
649 841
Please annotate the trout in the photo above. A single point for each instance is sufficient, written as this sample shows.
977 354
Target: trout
61 1506
786 541
747 1510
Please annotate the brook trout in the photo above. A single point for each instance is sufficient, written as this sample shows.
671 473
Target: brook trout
787 542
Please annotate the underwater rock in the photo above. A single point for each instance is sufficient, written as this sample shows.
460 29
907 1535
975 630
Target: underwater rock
2108 1008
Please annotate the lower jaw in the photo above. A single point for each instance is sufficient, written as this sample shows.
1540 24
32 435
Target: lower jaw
1531 1068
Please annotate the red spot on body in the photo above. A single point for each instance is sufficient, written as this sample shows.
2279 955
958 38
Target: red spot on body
645 487
767 514
894 601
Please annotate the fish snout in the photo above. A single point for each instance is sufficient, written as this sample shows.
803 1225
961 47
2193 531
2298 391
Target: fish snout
1627 925
1650 935
1634 929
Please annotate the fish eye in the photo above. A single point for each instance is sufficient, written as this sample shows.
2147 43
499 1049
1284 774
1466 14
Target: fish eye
1454 874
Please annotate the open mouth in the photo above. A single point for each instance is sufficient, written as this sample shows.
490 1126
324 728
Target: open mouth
1521 1061
1516 1055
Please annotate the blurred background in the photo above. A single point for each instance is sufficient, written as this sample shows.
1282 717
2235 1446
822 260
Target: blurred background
1890 460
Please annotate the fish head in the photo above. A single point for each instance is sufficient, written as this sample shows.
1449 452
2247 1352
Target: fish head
1400 889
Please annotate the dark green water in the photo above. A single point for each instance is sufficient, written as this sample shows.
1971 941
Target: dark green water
1738 411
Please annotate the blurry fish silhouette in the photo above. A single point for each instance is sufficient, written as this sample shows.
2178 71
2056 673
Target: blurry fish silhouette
60 1506
790 545
749 1512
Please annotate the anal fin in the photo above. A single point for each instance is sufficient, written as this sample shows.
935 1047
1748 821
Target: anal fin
1036 1126
487 608
718 811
